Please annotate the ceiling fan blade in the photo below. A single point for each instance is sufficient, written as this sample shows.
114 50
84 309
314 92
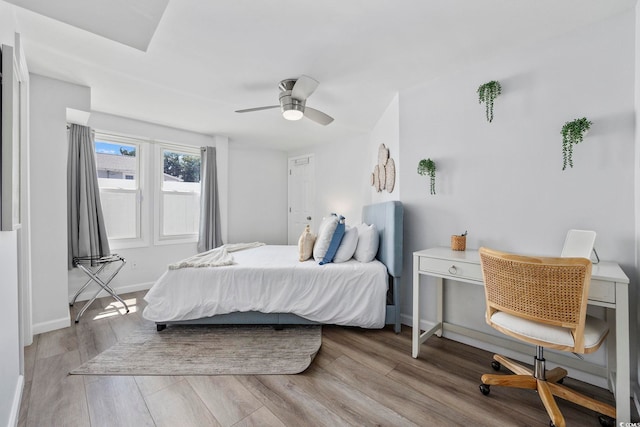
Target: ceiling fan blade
303 88
317 116
248 110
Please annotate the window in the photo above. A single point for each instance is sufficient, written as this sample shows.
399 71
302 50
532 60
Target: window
124 166
119 177
179 198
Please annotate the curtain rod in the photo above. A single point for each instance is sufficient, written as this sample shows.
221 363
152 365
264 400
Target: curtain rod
92 130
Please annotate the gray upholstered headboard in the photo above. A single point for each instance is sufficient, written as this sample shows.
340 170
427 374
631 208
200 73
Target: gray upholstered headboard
388 219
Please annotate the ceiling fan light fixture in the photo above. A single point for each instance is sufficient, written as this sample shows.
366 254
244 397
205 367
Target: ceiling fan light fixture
292 109
292 114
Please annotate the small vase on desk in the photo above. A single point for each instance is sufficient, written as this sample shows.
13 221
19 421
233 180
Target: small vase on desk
458 242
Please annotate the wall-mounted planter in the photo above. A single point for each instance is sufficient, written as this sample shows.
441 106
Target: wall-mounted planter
428 167
572 133
487 93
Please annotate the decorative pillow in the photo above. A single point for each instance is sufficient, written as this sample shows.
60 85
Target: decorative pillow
368 241
305 243
348 245
325 233
335 242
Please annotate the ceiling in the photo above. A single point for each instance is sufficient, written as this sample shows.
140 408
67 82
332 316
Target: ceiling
191 64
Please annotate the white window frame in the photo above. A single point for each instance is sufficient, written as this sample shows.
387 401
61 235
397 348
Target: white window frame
159 238
141 145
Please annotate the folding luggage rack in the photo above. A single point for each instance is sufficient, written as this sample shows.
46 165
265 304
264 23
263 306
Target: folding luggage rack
92 266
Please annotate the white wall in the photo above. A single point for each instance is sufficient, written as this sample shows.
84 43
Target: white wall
502 181
257 195
49 100
11 379
342 170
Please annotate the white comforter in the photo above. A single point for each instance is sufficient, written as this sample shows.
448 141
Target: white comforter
270 279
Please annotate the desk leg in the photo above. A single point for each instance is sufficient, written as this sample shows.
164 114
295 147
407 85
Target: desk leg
415 333
440 305
623 373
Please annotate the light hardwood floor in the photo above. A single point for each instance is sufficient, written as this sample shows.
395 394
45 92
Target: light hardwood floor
359 378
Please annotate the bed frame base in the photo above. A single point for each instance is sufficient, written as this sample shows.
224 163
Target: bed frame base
243 318
277 320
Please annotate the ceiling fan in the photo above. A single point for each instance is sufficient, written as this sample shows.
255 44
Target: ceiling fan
293 97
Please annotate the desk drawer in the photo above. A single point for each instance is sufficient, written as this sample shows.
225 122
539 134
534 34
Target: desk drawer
600 290
451 268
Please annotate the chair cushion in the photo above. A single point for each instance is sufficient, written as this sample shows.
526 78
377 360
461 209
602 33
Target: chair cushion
595 329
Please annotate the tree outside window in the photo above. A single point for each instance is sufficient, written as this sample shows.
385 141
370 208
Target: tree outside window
184 167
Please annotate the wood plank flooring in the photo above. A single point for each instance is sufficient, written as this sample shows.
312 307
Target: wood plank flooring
359 378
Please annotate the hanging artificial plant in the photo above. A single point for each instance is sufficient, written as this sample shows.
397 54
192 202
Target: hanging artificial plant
572 133
487 93
428 167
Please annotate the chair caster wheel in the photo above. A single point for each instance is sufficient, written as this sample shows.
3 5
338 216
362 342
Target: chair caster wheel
606 421
495 365
484 389
551 424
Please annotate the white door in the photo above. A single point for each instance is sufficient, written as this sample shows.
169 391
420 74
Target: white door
301 195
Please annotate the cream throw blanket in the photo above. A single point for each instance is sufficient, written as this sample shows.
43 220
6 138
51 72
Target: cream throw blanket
216 257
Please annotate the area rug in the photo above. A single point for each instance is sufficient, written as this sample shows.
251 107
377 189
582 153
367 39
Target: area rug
209 350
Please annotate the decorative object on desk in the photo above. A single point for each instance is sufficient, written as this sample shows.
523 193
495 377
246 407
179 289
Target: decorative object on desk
572 133
487 93
428 167
459 242
383 176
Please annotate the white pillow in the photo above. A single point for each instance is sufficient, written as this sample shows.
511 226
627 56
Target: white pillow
325 233
368 241
347 245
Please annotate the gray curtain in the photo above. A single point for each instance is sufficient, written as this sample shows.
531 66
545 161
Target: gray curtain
210 235
87 234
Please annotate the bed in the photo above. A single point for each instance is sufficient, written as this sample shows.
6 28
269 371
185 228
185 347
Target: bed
268 285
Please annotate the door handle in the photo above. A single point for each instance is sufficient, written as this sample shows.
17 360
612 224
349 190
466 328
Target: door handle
308 218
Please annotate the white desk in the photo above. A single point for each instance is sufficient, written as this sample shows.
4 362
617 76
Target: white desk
609 288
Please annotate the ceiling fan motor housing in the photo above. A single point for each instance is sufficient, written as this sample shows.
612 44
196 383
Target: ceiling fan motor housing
292 109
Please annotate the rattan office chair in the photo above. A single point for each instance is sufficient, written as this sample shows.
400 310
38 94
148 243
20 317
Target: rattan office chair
541 301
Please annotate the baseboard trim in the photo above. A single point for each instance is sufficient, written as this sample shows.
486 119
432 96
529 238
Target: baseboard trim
14 416
51 325
88 294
